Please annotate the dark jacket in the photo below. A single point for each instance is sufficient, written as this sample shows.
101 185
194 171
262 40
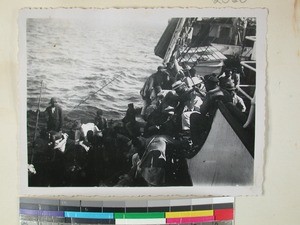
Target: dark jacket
54 118
211 98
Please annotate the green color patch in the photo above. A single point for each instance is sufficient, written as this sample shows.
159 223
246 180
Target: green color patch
150 215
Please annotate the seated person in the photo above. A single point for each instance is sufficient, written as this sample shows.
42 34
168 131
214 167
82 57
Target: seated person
130 123
161 121
155 99
200 123
228 85
151 158
100 120
81 131
191 106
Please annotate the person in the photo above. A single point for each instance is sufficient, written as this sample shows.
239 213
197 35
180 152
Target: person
171 69
151 158
198 86
200 123
214 93
155 101
54 116
167 80
229 85
81 131
187 99
191 106
180 75
130 122
156 79
161 121
192 72
236 76
186 69
100 120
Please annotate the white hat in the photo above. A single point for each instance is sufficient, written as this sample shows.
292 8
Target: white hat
177 84
196 81
169 110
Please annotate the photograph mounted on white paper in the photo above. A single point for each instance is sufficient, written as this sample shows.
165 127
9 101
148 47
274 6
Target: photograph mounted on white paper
113 101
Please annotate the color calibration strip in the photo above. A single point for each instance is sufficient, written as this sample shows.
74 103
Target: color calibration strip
179 211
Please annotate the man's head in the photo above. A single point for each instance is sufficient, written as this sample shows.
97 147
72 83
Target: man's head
170 65
53 101
228 73
76 125
160 68
157 89
227 84
179 86
211 82
196 82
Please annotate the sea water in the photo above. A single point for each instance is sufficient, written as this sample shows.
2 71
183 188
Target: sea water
75 59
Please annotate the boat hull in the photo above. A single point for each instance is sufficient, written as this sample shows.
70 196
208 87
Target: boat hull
223 159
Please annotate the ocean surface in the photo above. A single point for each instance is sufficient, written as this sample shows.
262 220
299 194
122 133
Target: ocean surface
74 59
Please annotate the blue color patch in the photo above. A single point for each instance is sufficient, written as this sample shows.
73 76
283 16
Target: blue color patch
89 215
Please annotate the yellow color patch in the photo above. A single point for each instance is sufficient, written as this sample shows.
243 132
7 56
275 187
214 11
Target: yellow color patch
189 214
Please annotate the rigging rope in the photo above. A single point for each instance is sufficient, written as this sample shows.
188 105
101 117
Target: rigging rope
187 49
85 99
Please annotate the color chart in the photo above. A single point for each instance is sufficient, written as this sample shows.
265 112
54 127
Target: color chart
204 211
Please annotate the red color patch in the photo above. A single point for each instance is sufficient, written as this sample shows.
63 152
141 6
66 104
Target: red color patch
223 214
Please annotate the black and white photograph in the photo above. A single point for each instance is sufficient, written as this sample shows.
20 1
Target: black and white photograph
131 101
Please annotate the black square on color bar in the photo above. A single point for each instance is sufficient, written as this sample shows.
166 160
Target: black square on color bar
180 208
223 206
158 209
111 210
202 207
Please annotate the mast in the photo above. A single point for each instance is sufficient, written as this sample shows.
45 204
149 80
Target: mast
174 39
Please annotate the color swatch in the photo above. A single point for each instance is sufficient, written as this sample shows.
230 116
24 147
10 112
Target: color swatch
178 211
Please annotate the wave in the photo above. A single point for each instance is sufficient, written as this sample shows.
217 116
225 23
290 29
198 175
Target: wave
76 61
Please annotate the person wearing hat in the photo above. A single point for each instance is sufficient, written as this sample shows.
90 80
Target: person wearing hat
214 93
229 85
100 120
54 116
193 104
200 122
198 86
188 102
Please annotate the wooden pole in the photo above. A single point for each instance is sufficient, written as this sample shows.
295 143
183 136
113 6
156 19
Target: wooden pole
37 122
173 41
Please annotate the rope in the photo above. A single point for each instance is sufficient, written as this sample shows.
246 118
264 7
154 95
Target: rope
198 35
85 99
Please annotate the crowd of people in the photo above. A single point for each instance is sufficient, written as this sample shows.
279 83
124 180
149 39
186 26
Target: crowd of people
143 149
